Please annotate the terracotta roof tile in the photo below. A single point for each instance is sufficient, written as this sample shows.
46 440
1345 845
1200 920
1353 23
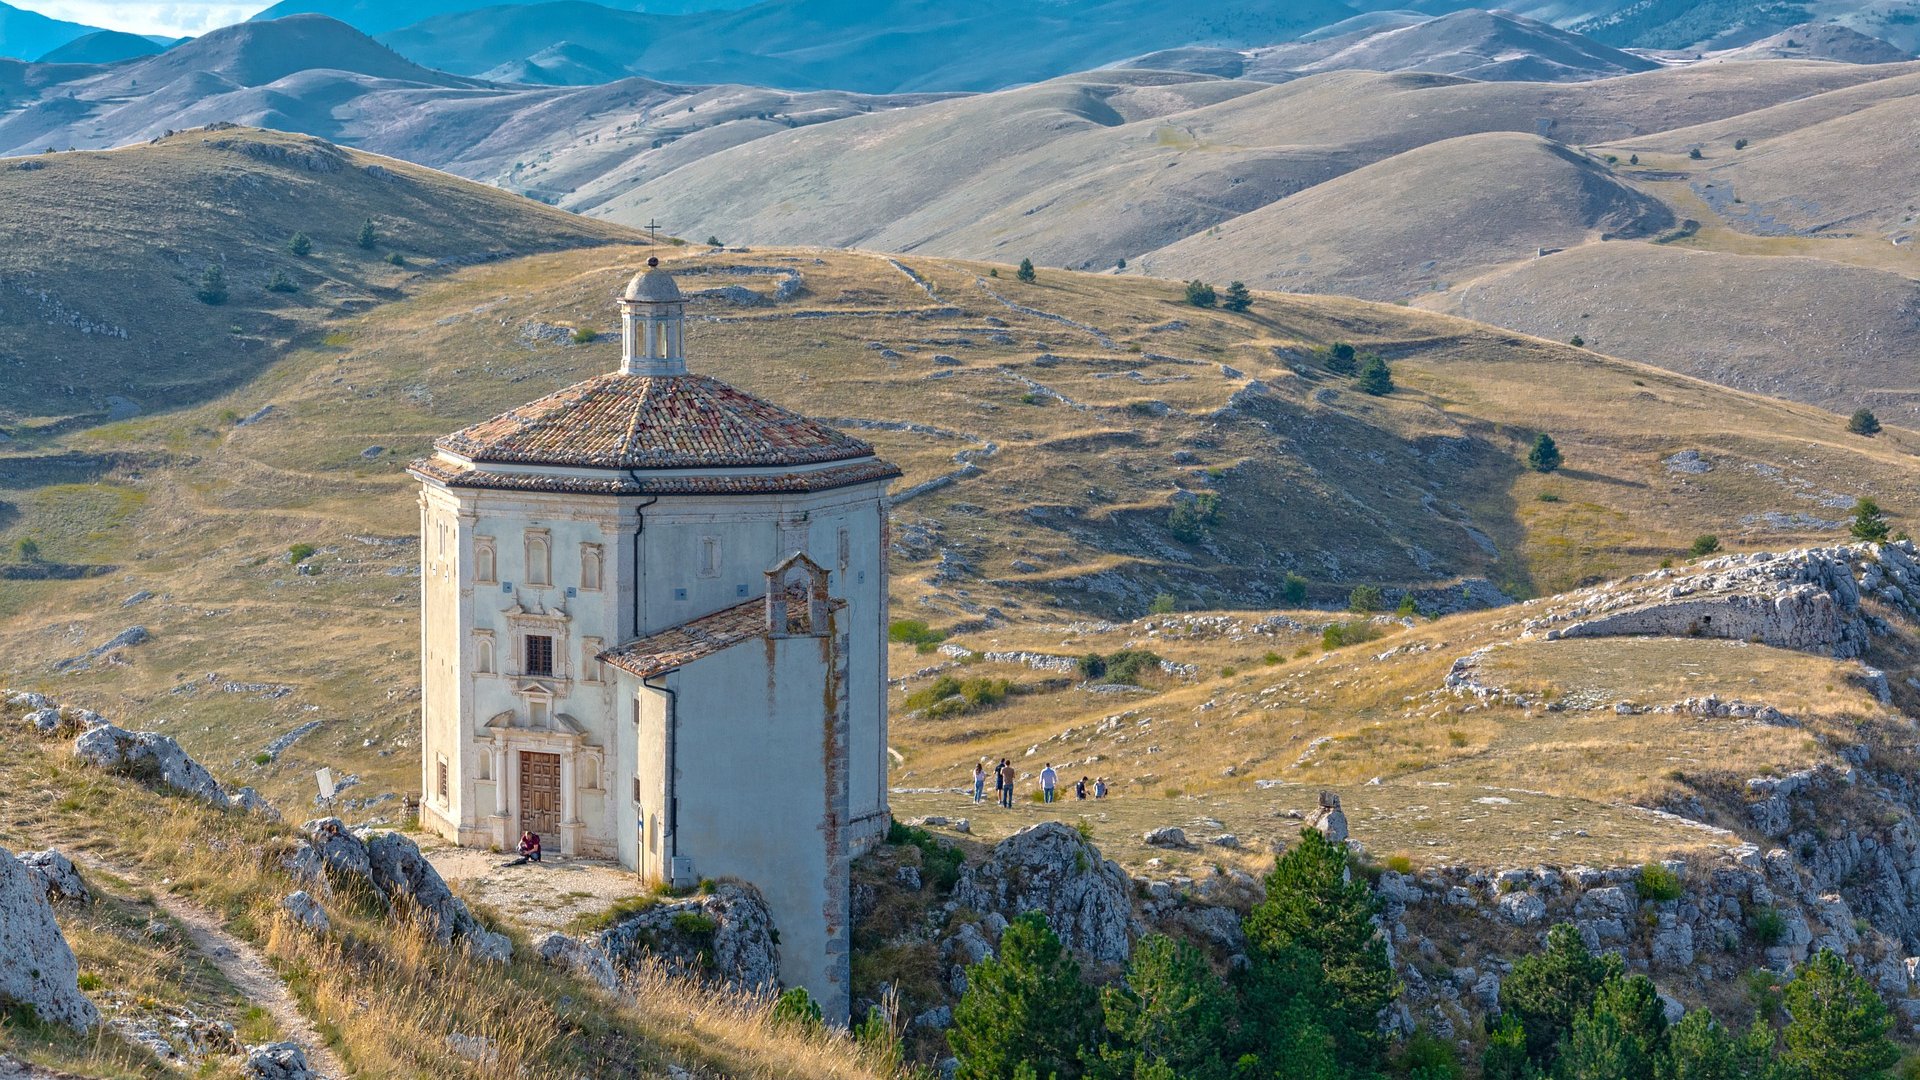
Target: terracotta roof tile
620 483
619 421
657 654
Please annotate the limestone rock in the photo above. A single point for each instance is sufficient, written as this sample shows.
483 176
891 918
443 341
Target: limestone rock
725 938
57 875
411 884
1522 908
253 802
1167 837
149 756
572 954
330 854
1051 869
1329 818
38 969
306 911
278 1061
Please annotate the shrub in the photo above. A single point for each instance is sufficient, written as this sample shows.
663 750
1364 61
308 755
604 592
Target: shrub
950 696
797 1008
1338 635
1634 160
915 632
1869 521
1237 298
1408 608
1162 604
1577 341
1169 1016
1092 666
281 283
1739 144
714 241
1768 926
213 286
300 553
1025 273
1128 665
1201 294
369 236
27 549
1704 544
1658 883
582 335
1863 422
1026 1010
694 923
1547 990
1375 377
1271 658
1365 599
397 259
301 244
1293 590
1695 154
1189 520
1340 358
1545 456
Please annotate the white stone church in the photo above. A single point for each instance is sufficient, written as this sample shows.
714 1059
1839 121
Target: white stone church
653 629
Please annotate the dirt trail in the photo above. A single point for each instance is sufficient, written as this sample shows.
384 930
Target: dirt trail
242 964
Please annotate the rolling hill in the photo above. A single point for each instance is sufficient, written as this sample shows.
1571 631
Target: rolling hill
103 47
98 309
25 35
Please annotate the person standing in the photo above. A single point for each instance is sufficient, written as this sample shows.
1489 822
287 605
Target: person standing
979 780
1080 789
1100 788
1006 783
1048 780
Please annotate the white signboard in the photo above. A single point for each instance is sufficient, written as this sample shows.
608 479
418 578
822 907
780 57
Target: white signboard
325 777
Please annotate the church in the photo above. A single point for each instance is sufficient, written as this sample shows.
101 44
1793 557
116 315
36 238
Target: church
653 629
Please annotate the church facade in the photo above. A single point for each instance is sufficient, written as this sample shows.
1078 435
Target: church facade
653 629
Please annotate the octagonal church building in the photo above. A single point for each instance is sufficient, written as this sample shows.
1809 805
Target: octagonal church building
653 629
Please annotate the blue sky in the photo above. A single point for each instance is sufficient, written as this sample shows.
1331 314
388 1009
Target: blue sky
171 17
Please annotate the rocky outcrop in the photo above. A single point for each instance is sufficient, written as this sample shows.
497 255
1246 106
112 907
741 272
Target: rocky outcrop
150 757
1808 599
1329 819
39 969
570 953
1050 868
392 865
278 1061
305 911
726 938
57 876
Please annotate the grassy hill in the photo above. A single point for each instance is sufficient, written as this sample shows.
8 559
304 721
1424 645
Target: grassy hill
1069 444
99 312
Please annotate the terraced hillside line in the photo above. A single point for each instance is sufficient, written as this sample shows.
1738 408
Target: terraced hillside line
243 965
1098 334
914 276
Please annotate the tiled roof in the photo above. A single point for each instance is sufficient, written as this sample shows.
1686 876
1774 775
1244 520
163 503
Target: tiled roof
620 421
657 654
620 483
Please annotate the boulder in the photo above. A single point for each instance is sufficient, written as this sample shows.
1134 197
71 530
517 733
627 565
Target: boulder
44 721
1051 869
253 802
330 855
571 954
726 938
1522 908
1329 818
57 875
305 911
1167 837
412 886
149 756
278 1061
38 967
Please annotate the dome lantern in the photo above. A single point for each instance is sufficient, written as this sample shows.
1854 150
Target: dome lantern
653 320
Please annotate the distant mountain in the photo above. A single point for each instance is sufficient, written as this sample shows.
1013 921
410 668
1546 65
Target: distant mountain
29 34
381 16
103 47
1486 45
565 64
1819 41
870 46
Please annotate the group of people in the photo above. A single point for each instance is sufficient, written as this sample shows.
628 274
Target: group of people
1004 777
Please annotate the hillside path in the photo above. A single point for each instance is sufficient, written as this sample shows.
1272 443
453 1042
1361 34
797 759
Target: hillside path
243 965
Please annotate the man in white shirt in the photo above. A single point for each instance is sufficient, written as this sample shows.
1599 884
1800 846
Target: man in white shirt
1048 778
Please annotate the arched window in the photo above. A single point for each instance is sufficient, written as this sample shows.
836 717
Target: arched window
539 560
484 570
483 655
590 567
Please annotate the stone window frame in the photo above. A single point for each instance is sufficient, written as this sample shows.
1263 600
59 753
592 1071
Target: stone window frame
522 623
486 653
710 560
539 566
591 669
442 786
486 561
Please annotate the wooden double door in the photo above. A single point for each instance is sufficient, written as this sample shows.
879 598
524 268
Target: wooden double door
540 794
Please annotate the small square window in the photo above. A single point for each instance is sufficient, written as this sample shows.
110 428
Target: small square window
539 655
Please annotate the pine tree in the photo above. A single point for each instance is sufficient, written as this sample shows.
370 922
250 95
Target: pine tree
1168 1017
1622 1036
213 286
1701 1049
1314 903
301 244
1283 1030
281 283
369 236
1545 456
1340 358
1237 298
1293 590
1201 294
1505 1057
1375 377
1863 422
1839 1024
1025 273
1027 1007
1869 521
1546 991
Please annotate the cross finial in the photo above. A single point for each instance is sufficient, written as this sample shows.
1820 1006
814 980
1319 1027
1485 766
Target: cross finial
652 226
